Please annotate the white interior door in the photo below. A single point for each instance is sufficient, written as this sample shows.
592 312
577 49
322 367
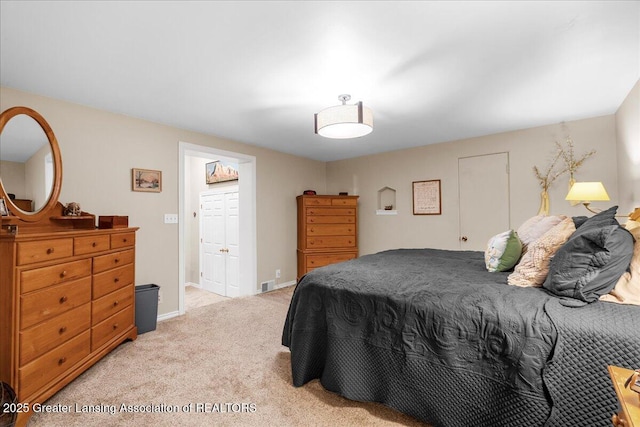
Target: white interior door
220 248
484 199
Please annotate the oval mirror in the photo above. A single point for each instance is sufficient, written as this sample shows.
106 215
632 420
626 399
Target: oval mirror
30 164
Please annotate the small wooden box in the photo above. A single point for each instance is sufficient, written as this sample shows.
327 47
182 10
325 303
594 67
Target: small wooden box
113 221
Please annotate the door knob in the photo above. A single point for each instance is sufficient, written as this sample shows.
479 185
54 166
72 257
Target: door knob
464 238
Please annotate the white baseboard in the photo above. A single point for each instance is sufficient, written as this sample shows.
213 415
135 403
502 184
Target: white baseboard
168 316
195 285
284 285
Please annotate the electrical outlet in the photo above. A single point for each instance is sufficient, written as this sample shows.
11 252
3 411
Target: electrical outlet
159 297
277 273
170 218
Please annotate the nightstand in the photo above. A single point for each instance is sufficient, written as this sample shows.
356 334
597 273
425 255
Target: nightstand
629 415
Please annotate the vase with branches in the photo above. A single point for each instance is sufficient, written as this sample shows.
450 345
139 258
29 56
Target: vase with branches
571 163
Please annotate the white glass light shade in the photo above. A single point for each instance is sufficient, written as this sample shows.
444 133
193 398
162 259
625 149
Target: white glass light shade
587 192
344 121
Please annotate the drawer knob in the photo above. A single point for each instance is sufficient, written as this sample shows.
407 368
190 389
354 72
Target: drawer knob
63 300
117 260
49 251
115 326
124 240
63 274
115 303
62 360
62 330
116 280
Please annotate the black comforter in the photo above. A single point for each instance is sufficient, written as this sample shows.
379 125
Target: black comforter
433 334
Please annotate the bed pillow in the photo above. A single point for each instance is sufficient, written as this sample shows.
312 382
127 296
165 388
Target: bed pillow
591 262
534 265
627 289
533 228
503 251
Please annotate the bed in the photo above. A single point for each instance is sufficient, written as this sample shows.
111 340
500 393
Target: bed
433 334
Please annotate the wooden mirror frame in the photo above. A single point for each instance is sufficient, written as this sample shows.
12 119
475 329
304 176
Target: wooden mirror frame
57 166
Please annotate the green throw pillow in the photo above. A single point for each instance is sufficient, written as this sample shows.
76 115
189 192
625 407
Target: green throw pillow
503 251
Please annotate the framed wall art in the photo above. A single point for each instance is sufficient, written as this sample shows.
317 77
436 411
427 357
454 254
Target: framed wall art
221 171
426 197
3 208
146 180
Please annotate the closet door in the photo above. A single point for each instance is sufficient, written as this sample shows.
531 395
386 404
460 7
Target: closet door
484 199
219 237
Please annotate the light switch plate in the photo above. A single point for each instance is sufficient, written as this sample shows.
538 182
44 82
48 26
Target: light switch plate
170 218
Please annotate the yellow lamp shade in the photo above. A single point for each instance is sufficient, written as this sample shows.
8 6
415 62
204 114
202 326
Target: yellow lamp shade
587 192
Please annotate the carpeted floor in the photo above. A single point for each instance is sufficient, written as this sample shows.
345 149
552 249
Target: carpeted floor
220 364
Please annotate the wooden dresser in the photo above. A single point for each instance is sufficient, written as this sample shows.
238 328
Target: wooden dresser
327 231
66 300
629 400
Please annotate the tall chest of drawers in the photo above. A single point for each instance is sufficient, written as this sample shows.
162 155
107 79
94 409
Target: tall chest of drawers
66 300
327 231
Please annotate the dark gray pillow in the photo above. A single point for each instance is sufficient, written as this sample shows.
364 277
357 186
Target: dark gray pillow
590 263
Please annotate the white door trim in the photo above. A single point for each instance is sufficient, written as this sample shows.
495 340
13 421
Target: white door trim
248 236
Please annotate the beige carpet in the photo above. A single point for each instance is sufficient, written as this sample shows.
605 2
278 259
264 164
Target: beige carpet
195 297
221 364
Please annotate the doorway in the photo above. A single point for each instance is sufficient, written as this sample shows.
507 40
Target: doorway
483 188
246 184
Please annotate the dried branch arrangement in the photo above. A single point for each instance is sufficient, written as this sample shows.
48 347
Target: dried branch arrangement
555 170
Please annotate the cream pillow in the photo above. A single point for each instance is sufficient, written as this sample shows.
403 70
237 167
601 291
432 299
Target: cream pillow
534 264
533 228
627 290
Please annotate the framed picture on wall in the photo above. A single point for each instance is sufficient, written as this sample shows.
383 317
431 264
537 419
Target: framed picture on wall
426 197
221 171
147 180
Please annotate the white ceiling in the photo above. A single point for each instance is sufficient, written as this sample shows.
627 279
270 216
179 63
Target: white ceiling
256 72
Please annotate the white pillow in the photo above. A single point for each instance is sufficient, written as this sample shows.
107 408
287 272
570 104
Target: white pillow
503 251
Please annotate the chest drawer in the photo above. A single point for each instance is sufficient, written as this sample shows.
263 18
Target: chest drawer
123 240
47 335
91 244
331 230
331 219
331 242
44 304
111 303
38 278
331 211
315 261
111 280
113 326
317 202
344 202
48 366
107 262
44 250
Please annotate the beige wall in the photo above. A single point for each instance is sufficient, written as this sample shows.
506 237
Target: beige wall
100 148
364 176
628 135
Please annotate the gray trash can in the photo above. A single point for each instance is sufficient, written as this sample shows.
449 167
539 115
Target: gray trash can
8 410
146 307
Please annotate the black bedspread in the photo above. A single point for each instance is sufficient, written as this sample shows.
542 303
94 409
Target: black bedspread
433 334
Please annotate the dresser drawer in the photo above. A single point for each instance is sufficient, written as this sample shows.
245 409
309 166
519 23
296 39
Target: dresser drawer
344 202
111 303
47 335
108 329
331 242
331 230
107 262
44 250
315 261
317 202
111 280
48 366
331 211
38 278
44 304
91 244
123 240
331 219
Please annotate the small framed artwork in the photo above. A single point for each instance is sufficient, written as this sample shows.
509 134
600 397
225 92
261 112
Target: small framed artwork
221 171
426 197
3 208
146 180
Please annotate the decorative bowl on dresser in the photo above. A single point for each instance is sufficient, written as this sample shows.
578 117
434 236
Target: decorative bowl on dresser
67 295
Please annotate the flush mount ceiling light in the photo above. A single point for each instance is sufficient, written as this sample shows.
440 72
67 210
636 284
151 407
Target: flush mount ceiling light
344 121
